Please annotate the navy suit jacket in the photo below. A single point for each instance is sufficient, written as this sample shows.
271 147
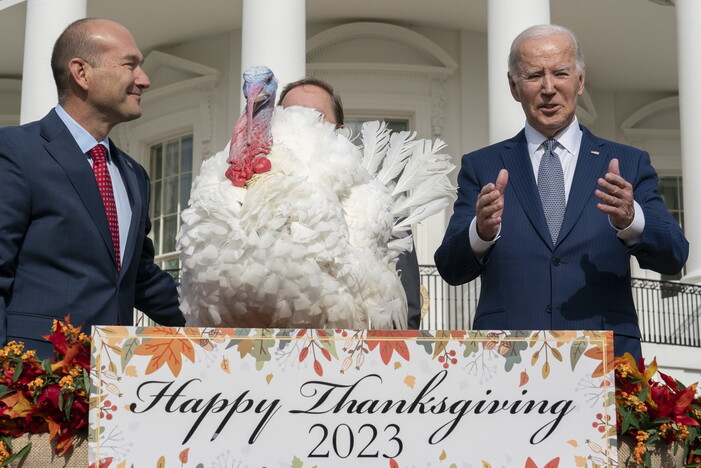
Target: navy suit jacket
408 268
581 283
56 251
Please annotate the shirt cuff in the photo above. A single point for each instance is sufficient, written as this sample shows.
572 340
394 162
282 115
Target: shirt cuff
633 234
479 246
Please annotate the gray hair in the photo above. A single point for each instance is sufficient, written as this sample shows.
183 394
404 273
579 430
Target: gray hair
542 31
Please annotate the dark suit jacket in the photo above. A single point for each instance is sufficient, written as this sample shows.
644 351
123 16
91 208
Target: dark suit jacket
56 252
408 268
583 282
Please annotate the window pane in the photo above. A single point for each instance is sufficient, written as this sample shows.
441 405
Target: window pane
156 235
398 125
186 154
185 183
156 159
170 227
172 157
171 177
170 196
171 264
156 199
668 191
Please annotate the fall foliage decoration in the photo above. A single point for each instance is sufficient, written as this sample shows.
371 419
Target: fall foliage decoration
656 412
45 396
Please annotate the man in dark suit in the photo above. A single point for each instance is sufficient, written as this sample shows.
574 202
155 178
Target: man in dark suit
74 220
320 95
550 218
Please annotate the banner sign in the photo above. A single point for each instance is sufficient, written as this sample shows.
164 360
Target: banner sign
204 397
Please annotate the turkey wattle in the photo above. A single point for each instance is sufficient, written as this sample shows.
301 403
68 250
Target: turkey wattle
313 241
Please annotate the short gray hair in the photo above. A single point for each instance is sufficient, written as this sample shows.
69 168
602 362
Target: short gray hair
540 31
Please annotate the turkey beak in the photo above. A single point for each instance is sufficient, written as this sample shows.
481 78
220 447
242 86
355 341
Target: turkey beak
256 94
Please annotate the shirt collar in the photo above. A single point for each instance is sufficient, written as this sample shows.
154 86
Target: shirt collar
570 138
85 141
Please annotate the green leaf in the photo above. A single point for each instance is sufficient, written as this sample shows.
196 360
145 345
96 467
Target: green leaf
471 346
18 455
628 420
128 350
329 346
240 332
5 390
514 357
577 349
18 372
69 403
296 463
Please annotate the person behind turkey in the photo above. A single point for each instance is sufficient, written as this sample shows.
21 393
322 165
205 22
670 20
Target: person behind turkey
74 217
320 95
551 233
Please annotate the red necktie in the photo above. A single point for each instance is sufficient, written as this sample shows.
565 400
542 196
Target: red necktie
104 183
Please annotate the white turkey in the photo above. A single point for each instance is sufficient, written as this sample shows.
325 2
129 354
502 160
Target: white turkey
293 226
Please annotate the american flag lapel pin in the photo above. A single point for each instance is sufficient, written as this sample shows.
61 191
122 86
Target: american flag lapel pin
132 167
595 153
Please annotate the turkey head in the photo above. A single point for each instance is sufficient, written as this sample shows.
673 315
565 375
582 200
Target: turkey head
252 138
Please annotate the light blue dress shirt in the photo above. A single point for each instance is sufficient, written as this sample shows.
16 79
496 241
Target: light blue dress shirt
86 142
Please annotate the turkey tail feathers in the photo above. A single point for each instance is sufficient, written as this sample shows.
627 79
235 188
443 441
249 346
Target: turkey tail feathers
401 146
414 171
425 162
375 137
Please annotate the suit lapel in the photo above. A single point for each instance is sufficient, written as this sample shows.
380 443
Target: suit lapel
521 179
131 183
591 164
62 147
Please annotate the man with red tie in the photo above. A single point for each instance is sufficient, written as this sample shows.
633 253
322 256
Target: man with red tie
74 212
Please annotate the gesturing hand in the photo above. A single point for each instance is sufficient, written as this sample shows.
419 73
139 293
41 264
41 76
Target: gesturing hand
490 206
617 197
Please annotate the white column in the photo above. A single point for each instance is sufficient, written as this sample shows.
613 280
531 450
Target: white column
46 20
273 34
505 20
689 67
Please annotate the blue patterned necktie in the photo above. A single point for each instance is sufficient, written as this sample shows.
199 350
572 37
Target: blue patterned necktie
551 186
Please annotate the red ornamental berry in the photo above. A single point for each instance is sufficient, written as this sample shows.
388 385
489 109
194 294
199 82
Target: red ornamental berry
446 365
109 416
441 358
452 352
594 424
114 408
602 429
454 361
599 416
108 403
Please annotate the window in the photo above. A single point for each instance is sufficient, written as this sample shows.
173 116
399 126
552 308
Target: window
170 164
671 192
